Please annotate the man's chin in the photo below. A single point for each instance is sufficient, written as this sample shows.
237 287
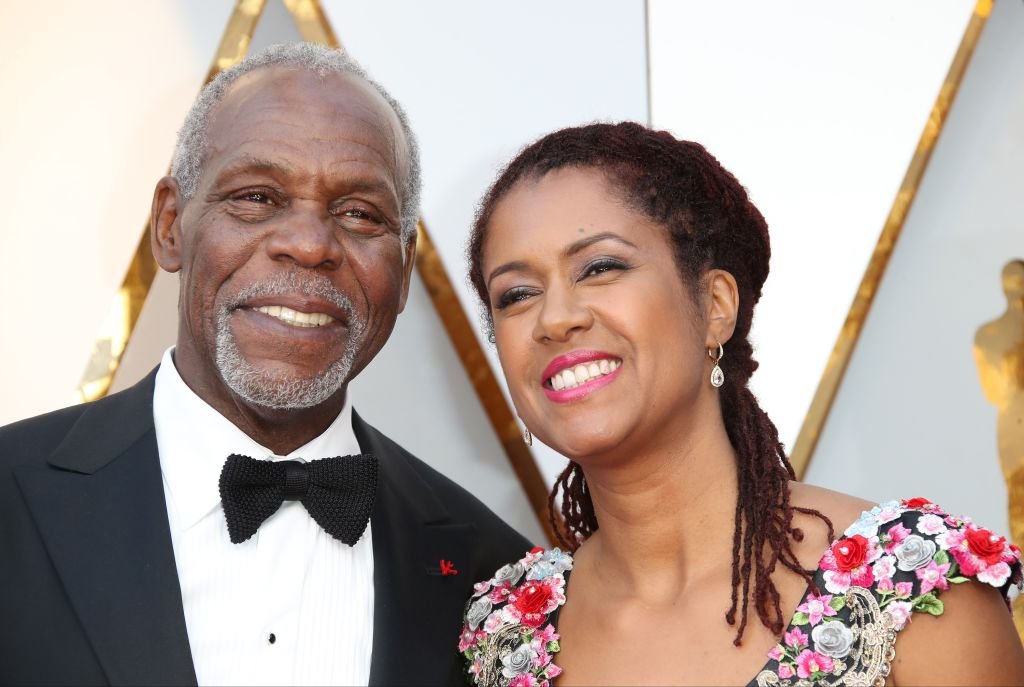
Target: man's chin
280 381
282 389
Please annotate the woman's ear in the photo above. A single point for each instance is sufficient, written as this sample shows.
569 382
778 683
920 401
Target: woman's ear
723 304
165 224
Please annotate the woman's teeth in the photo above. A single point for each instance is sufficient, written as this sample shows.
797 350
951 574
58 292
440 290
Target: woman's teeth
295 317
572 377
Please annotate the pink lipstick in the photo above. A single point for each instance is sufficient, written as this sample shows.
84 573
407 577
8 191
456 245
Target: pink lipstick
576 374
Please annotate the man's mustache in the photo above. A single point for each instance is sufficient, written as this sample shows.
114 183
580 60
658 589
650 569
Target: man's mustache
291 283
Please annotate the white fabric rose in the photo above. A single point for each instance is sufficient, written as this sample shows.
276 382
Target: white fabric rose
541 570
478 610
518 661
560 560
866 526
914 552
832 639
509 573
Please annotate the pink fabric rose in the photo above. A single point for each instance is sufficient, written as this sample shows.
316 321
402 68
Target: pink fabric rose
817 607
933 576
795 638
809 662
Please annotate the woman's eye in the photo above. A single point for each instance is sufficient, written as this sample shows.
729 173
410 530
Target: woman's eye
513 296
603 265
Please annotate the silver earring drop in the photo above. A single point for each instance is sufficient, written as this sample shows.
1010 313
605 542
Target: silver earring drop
527 437
717 376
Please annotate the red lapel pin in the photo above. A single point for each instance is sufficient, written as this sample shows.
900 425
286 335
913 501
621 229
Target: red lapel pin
448 568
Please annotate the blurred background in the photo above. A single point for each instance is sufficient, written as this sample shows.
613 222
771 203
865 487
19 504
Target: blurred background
842 119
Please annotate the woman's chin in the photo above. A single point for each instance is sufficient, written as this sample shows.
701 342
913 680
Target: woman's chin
580 447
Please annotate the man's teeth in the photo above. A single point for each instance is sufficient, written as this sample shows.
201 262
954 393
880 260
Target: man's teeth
572 377
295 317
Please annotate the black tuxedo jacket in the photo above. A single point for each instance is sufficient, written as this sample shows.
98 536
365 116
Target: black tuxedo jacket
89 590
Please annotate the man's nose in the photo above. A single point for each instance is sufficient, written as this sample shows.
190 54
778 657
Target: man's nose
308 237
562 315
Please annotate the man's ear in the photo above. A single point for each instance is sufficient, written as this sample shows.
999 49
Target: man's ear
723 304
409 256
165 224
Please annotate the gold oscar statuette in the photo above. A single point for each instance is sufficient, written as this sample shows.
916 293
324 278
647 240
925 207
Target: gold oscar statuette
999 355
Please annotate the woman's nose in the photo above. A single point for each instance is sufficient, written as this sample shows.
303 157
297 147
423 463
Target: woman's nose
561 316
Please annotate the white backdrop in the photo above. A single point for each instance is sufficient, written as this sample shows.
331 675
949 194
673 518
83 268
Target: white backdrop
911 411
93 94
816 107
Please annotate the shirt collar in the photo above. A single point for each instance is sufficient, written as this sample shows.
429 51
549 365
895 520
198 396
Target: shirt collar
194 440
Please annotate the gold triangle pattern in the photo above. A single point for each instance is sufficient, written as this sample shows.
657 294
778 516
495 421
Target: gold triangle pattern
842 351
314 26
123 314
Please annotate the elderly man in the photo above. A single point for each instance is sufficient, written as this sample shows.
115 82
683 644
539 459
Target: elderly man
230 519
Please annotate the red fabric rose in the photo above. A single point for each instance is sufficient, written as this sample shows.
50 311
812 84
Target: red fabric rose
850 553
532 597
986 545
916 502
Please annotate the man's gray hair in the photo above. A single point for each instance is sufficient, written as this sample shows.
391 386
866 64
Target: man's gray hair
191 148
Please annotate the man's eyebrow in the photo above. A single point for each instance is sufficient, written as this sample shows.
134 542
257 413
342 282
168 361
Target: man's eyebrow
370 184
570 250
251 163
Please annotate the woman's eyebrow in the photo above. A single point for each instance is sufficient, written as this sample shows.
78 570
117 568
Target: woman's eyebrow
570 250
507 267
576 247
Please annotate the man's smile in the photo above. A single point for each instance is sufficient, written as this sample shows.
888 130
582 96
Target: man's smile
296 318
296 310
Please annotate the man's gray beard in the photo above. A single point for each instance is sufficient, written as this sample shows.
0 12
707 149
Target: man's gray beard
261 388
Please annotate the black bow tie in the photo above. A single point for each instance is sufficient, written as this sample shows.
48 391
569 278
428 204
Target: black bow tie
337 492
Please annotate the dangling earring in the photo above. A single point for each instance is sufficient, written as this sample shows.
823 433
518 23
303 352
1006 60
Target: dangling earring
527 437
717 376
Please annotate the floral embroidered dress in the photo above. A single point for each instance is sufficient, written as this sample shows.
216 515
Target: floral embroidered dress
894 561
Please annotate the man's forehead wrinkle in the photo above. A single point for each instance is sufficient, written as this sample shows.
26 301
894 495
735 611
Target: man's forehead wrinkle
294 113
376 114
238 158
261 134
247 161
375 111
274 105
344 92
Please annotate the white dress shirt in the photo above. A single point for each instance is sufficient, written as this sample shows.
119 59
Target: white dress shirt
292 605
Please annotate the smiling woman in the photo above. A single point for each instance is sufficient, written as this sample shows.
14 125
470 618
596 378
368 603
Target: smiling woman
619 269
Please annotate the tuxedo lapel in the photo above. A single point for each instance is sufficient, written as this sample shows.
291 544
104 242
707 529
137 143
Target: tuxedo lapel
100 510
419 590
